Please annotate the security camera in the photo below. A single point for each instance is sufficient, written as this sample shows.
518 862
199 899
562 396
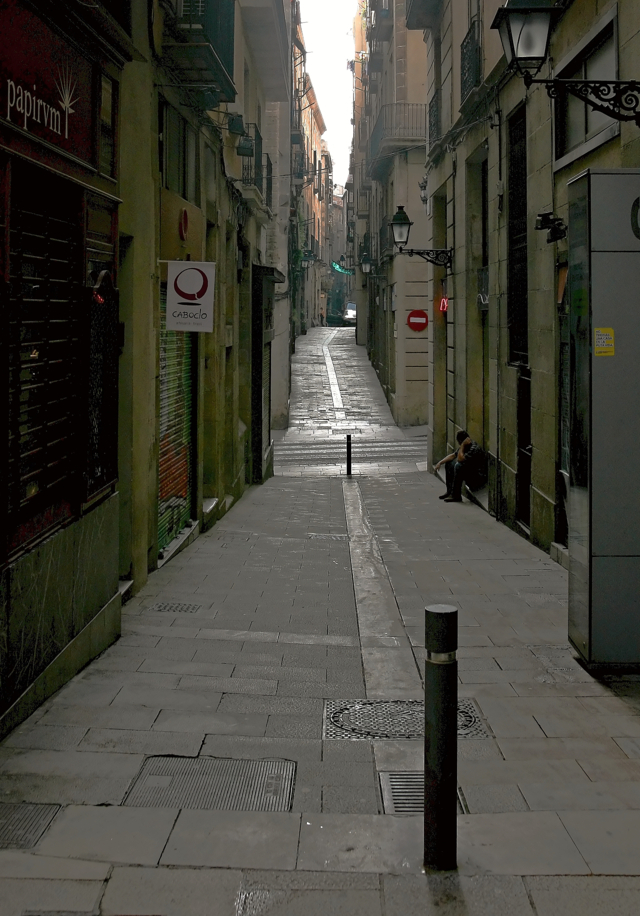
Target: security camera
556 229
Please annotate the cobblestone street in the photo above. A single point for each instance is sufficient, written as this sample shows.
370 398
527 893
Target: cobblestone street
235 752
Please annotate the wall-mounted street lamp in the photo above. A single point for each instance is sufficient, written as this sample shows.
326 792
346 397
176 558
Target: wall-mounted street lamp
365 264
401 227
525 31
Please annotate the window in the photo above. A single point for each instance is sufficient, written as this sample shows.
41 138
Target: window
179 155
577 123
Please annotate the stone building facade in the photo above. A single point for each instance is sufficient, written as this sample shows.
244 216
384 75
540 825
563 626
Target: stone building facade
497 156
158 132
390 70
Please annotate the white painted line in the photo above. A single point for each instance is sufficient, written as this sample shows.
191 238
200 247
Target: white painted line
333 378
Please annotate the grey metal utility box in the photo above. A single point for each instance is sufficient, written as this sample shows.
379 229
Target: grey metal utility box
604 501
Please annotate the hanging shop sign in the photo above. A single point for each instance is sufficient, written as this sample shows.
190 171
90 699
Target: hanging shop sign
418 320
190 294
342 270
46 86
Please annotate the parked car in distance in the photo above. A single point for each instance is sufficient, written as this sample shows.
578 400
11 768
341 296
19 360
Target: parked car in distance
349 317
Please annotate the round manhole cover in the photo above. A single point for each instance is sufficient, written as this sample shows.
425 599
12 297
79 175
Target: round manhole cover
379 719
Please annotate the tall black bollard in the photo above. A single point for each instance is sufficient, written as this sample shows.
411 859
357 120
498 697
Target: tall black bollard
348 454
440 737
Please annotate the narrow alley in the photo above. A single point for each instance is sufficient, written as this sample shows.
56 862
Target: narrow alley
247 746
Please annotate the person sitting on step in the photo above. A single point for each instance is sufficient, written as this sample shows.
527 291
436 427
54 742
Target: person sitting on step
459 466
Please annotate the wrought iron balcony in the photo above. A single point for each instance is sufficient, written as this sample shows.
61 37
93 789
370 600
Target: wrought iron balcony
423 14
252 168
202 52
381 23
363 204
435 125
376 57
398 124
470 61
363 134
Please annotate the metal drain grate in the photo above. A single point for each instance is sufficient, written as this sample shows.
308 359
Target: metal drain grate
364 719
330 537
403 794
21 826
470 725
173 608
373 719
214 783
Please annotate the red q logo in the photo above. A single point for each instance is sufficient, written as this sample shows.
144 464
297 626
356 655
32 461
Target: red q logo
195 281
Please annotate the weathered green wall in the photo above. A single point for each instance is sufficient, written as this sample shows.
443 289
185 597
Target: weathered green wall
49 595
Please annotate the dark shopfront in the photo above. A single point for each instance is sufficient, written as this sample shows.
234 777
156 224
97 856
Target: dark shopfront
59 600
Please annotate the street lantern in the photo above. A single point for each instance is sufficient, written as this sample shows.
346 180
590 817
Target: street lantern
525 30
401 227
365 264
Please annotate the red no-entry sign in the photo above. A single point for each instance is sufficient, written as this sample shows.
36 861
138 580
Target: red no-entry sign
418 320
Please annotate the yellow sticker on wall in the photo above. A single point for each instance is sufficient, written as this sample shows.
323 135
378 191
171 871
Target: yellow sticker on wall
604 342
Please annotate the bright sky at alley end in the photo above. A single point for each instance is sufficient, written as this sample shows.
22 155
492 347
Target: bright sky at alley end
328 34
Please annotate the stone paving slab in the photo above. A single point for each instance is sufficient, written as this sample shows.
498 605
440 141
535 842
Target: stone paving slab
233 839
135 836
28 895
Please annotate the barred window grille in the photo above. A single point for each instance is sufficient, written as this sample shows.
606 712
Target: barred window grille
470 61
252 166
434 119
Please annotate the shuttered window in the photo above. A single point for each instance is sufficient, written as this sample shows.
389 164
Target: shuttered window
59 365
43 325
177 408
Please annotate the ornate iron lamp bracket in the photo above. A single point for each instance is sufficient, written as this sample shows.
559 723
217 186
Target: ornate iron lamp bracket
619 99
441 257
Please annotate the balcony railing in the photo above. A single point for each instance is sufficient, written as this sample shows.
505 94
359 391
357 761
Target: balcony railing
423 14
363 204
435 127
363 134
300 167
252 167
202 53
268 181
470 61
399 121
376 57
381 23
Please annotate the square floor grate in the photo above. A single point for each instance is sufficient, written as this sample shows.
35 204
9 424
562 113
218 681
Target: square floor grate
165 608
214 783
391 719
403 794
21 826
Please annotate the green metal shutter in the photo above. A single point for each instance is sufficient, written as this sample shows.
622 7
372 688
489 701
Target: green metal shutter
177 405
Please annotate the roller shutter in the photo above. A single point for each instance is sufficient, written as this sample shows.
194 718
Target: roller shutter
177 411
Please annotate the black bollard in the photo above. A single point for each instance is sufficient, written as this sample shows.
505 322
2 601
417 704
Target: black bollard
348 454
440 738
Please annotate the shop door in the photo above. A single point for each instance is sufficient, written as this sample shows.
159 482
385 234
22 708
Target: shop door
177 412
